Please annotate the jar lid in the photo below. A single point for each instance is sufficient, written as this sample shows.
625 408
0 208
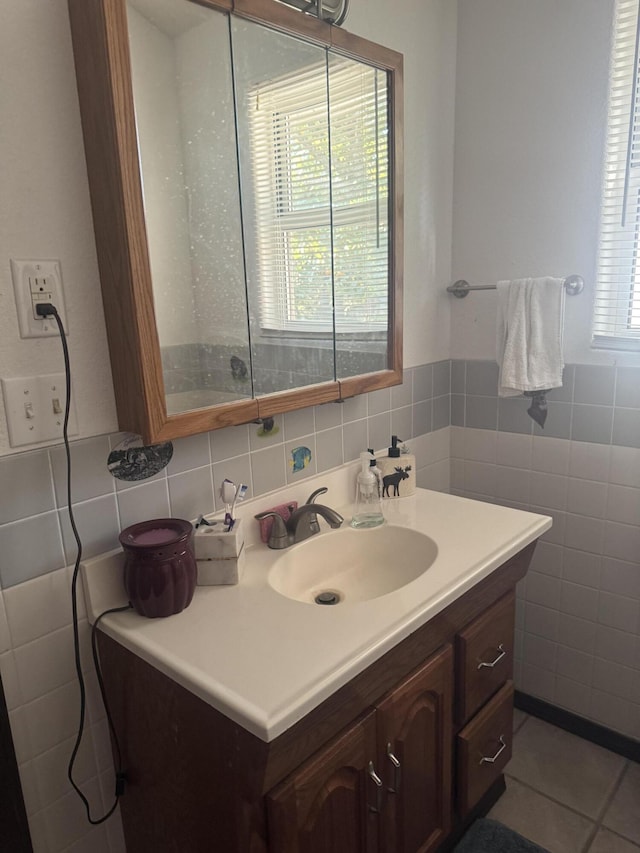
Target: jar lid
155 533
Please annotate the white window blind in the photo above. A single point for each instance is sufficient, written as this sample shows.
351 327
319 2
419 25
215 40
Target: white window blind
319 143
616 322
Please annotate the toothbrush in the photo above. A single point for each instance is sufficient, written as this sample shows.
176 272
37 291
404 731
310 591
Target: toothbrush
241 491
228 492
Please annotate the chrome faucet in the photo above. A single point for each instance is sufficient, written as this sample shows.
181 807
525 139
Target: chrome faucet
301 524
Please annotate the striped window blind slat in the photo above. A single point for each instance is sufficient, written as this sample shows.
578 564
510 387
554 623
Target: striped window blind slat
616 315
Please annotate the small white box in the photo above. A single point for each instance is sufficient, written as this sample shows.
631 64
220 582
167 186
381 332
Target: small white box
219 553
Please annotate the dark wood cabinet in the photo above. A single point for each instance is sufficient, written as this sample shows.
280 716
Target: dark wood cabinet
420 720
330 804
384 784
414 749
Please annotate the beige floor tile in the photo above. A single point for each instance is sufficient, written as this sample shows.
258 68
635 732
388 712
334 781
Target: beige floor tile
541 820
518 719
566 768
607 842
623 815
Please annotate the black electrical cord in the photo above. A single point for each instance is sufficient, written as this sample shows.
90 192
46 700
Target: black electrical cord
49 310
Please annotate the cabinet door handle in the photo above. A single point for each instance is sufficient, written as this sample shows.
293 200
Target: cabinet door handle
378 783
502 651
393 789
495 757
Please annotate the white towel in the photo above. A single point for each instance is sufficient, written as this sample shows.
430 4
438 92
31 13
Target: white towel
530 323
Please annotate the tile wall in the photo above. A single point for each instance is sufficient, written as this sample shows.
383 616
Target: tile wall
578 629
37 549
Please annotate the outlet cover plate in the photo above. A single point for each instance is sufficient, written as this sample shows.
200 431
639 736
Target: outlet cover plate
34 282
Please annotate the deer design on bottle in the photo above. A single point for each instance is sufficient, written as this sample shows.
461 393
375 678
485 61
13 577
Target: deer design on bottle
394 480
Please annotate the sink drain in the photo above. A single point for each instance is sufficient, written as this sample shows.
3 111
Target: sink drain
327 598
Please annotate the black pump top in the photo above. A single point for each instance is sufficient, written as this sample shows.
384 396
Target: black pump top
394 450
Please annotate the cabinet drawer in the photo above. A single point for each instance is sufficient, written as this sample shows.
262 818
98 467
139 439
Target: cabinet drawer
484 748
484 657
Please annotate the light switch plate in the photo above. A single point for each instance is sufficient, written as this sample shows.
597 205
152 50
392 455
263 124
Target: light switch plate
34 407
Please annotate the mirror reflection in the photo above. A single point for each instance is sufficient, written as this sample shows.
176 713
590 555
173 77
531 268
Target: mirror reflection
265 170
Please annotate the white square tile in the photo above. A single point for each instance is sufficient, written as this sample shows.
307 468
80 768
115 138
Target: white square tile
5 636
587 497
141 503
480 478
551 455
90 476
45 664
577 633
513 484
612 678
620 577
458 442
621 541
51 768
537 682
20 735
613 712
581 567
30 548
514 450
28 783
620 612
539 652
52 718
574 664
616 646
584 533
10 682
38 607
581 601
65 820
549 490
623 504
572 695
541 621
116 834
440 444
544 590
38 833
625 466
589 461
480 445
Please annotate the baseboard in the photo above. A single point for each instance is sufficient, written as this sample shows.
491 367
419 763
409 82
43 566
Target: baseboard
600 735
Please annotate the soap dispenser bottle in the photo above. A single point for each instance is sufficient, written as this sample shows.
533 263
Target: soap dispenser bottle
367 511
398 471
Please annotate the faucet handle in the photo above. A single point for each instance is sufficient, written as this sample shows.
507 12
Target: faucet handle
279 537
314 524
321 491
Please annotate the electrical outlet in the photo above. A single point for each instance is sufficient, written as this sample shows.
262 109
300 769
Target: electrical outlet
36 282
34 407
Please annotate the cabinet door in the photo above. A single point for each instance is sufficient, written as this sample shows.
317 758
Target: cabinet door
414 749
327 805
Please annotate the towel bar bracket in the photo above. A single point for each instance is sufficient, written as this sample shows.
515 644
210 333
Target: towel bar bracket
573 284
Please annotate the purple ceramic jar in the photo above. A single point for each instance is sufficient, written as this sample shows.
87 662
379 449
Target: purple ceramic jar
160 567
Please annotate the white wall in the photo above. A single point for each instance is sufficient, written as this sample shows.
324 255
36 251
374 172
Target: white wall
530 123
45 211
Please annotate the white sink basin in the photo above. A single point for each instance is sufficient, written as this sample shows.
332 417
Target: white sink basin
353 565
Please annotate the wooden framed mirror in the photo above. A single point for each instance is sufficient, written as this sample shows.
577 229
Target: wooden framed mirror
245 169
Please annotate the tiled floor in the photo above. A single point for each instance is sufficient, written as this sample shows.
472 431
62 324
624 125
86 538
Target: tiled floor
569 795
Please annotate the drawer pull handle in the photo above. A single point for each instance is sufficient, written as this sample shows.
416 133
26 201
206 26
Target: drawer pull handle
378 783
493 760
502 651
396 771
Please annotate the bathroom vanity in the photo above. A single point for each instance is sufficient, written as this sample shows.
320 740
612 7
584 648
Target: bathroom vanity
257 722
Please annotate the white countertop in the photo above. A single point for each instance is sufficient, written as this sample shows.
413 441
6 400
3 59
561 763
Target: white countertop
265 660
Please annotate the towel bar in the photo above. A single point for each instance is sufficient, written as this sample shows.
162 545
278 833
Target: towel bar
574 284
